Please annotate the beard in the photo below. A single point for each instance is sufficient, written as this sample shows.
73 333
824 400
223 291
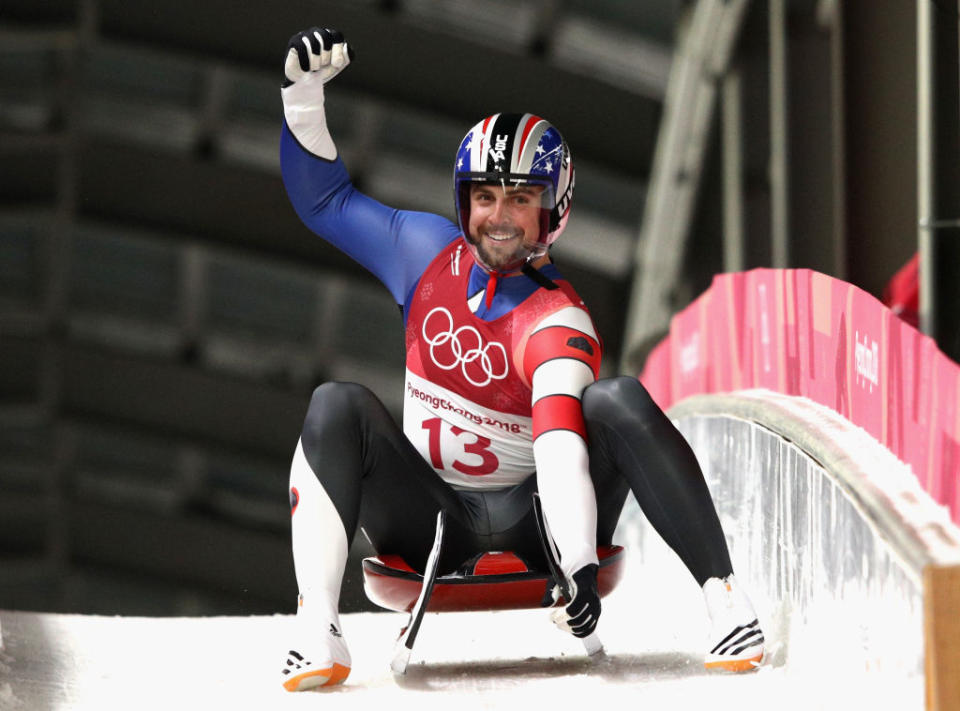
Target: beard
500 257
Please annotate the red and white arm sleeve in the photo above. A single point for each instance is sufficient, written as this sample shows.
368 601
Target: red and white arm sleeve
562 357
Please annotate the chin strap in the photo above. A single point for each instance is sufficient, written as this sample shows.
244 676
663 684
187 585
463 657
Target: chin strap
535 274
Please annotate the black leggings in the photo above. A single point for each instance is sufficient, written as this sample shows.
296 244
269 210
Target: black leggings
377 479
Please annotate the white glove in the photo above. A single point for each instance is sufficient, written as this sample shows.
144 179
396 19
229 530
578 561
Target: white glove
314 57
317 50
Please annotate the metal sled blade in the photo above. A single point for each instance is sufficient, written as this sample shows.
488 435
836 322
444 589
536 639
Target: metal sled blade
404 646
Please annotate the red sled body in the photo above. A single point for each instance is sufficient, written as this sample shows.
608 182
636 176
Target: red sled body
493 581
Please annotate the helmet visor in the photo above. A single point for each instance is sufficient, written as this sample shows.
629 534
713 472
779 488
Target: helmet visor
505 218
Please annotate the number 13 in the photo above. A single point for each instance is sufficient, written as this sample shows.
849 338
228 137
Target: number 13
480 447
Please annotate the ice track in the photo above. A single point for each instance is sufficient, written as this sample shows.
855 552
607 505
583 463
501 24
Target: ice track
507 660
472 660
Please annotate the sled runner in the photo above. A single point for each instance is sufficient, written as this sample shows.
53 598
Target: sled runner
497 580
408 635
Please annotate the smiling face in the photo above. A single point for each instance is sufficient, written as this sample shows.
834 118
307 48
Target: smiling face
505 223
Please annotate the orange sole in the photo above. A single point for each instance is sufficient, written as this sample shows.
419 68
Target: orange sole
336 674
736 665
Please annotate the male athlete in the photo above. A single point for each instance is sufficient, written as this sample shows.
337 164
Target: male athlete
500 394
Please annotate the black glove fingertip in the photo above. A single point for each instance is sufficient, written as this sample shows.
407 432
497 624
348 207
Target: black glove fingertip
327 37
315 35
302 56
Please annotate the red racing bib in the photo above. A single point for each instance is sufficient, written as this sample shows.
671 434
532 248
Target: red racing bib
467 403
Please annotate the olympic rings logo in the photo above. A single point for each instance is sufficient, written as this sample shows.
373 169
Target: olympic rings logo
464 347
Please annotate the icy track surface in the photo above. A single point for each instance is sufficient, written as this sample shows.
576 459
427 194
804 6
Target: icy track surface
505 660
472 660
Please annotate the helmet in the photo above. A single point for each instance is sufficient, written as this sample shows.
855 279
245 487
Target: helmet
512 150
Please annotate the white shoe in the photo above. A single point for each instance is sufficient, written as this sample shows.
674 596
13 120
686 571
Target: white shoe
736 640
319 658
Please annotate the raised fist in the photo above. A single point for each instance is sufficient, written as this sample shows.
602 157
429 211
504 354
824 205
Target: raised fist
317 50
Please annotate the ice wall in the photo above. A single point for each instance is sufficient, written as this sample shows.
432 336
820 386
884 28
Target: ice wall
830 532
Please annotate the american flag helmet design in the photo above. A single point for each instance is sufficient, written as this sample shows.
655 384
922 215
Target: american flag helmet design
517 149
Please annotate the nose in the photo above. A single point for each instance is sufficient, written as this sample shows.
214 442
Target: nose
498 212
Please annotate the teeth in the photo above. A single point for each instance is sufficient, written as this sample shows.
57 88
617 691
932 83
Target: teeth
500 237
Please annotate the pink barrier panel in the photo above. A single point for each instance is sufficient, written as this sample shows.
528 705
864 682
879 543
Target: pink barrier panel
799 332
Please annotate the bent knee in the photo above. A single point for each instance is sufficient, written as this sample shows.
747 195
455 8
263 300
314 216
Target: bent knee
337 396
612 398
333 407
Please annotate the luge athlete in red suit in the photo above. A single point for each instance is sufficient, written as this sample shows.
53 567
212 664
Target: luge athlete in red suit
501 392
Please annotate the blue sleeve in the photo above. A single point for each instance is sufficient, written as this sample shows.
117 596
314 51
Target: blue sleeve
395 245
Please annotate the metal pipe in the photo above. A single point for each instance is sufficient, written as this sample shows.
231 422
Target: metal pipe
734 259
938 180
779 138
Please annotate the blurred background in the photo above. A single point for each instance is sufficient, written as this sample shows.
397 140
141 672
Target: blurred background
164 316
